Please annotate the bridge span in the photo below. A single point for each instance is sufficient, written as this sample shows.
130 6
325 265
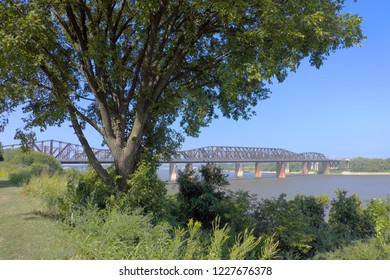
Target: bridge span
68 153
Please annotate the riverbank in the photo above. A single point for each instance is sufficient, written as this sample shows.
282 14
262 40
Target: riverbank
364 173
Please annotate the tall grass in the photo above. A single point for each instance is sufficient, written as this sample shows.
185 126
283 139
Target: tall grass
114 234
51 190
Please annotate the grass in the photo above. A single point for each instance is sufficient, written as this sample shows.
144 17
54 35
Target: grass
26 234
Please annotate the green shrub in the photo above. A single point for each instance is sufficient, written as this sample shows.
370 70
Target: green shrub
20 175
200 196
146 190
313 209
117 234
88 188
52 190
359 250
22 166
348 218
37 161
379 211
285 221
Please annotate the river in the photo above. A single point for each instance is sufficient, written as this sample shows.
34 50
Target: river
268 186
366 187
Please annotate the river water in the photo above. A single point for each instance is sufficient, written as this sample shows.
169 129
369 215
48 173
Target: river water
268 186
366 187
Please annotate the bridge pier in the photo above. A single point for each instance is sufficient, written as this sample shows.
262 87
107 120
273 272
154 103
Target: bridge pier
281 169
305 170
239 170
326 167
257 169
287 168
172 172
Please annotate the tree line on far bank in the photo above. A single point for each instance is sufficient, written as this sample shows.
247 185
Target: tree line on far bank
358 164
361 164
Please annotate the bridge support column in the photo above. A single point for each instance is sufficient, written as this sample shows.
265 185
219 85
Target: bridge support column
287 169
305 170
172 172
257 169
239 170
281 169
326 167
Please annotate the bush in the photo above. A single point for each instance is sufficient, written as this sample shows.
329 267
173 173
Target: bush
117 234
200 195
348 218
52 190
379 211
22 166
285 221
359 250
146 190
88 188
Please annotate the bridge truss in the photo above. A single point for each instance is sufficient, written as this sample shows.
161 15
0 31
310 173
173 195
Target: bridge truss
69 153
219 154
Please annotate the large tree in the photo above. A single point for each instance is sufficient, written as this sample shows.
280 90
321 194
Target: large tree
129 69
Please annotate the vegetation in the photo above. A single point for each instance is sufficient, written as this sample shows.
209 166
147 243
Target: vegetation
20 166
204 220
130 69
26 232
361 164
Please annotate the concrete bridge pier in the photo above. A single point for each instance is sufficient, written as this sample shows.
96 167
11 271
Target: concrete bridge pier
287 169
281 169
305 170
239 170
257 169
326 167
172 172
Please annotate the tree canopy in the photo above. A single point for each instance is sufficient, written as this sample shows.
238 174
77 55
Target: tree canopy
130 69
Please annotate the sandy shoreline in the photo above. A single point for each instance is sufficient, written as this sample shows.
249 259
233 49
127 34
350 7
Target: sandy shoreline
363 173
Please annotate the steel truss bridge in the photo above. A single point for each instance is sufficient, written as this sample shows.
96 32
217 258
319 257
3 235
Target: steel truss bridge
68 153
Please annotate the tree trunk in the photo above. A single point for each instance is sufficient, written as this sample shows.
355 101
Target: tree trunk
124 164
102 173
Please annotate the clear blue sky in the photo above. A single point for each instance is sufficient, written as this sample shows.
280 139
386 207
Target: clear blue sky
341 110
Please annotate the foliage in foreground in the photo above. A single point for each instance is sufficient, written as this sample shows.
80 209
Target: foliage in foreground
206 221
116 234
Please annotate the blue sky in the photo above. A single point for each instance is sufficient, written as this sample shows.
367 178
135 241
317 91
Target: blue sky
341 110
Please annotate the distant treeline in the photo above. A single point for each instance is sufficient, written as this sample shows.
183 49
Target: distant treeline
358 164
361 164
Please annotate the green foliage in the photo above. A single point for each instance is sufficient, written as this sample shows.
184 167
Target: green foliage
379 211
52 191
359 250
23 165
107 224
200 196
313 209
115 234
90 189
370 165
348 218
285 221
146 190
236 209
193 57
